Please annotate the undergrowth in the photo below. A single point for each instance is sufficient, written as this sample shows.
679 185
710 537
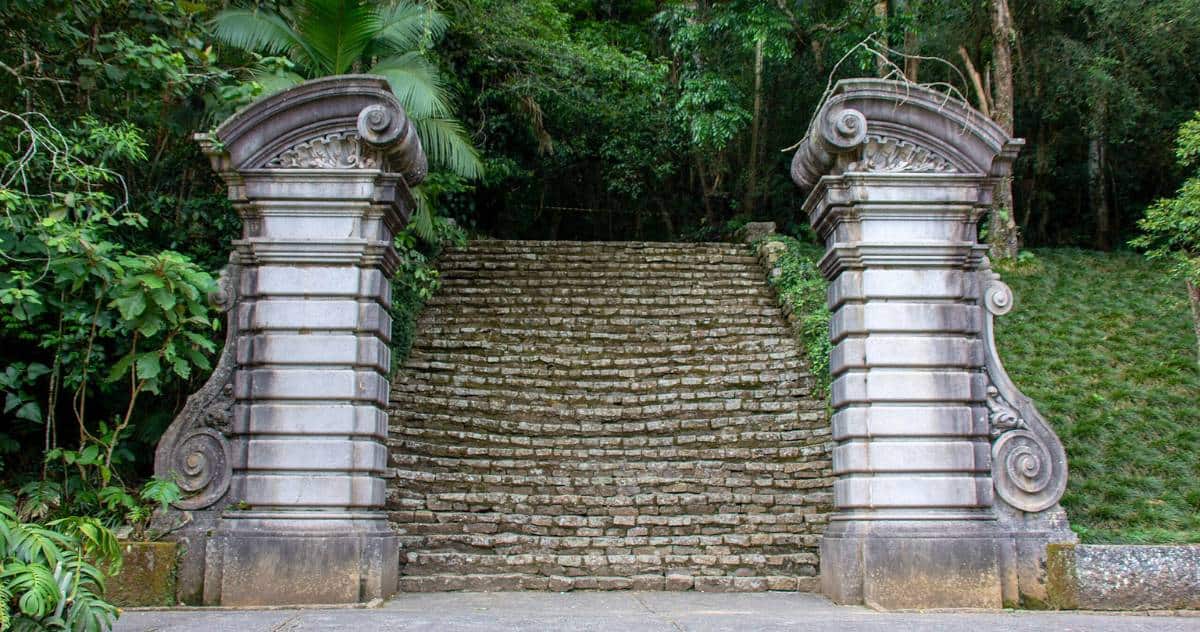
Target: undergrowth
1103 343
799 284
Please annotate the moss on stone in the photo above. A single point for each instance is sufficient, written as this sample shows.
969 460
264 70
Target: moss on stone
146 577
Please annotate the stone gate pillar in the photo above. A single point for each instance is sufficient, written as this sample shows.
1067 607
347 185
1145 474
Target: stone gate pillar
947 478
283 452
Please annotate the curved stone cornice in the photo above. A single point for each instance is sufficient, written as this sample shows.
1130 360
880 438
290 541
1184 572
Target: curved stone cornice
341 122
878 126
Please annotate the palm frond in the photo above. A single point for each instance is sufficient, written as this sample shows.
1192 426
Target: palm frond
447 145
417 83
421 221
256 31
338 31
407 26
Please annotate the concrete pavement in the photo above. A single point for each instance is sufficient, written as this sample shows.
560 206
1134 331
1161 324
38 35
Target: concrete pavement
635 612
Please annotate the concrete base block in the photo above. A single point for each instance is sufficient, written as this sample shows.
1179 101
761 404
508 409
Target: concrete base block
912 566
1123 577
279 568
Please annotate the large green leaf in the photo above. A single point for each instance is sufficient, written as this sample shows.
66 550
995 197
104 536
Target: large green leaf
447 146
338 31
258 31
408 26
417 84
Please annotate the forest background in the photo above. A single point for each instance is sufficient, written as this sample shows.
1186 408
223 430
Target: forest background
556 119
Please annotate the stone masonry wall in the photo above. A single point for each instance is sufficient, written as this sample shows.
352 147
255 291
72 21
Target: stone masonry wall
606 416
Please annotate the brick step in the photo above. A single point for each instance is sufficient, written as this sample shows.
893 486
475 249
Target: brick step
606 304
667 388
684 352
594 490
529 409
471 322
630 335
673 582
679 307
735 392
526 362
510 543
652 378
587 267
742 276
642 255
807 416
595 456
639 287
546 244
738 474
614 537
598 511
430 563
486 439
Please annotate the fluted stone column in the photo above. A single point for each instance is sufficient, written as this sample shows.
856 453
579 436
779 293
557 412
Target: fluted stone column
319 175
899 177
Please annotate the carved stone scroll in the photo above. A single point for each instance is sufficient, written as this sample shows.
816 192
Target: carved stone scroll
1029 465
194 451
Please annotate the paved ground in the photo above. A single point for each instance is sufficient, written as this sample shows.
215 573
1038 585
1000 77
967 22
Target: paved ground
633 612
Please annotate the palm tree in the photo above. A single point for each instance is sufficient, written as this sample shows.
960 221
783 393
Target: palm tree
331 37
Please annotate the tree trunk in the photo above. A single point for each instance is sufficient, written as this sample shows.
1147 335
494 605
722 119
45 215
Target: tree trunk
1003 236
751 192
881 13
1194 297
1097 190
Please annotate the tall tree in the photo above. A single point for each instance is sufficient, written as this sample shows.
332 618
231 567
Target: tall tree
1003 236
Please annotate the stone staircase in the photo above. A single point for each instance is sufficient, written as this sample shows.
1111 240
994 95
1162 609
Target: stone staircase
606 416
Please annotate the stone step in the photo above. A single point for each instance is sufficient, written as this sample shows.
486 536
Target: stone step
433 364
471 322
736 474
466 371
674 582
431 563
605 415
794 425
603 304
594 457
598 277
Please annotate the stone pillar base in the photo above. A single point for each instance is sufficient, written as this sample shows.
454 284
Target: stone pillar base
895 565
281 562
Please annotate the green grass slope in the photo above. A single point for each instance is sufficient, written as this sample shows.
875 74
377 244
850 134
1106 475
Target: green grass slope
1103 343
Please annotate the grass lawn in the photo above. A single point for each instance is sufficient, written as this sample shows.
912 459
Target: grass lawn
1103 343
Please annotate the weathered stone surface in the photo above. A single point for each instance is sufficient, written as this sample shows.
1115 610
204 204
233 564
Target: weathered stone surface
319 175
147 576
1123 577
947 477
607 416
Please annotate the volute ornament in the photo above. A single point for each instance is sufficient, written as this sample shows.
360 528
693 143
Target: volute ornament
194 451
1029 465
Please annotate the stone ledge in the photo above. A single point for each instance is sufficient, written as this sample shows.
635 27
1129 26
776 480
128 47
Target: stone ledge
1123 577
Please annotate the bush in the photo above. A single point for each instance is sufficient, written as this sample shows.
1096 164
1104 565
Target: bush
802 288
50 577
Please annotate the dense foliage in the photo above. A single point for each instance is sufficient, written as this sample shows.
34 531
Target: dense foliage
639 119
1172 225
802 290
